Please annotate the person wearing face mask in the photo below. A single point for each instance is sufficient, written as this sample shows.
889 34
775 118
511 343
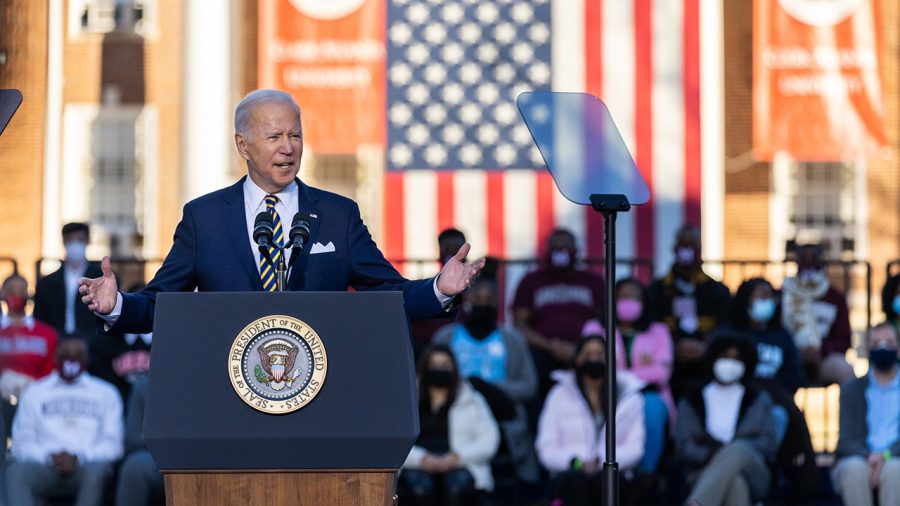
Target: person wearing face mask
890 301
67 433
450 461
868 448
551 306
725 436
817 317
497 363
754 313
56 299
27 345
645 351
571 438
692 304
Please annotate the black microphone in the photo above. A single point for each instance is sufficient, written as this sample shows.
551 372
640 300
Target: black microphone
263 232
299 234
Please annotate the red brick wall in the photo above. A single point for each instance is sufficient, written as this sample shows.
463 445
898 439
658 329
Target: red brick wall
23 36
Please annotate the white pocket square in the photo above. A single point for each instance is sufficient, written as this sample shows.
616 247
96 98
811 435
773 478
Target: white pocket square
317 248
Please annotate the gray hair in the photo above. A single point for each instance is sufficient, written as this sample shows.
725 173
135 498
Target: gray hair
244 109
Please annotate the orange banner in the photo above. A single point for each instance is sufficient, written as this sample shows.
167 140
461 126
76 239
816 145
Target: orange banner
330 56
817 79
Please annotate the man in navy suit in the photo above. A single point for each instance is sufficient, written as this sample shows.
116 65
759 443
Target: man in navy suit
214 249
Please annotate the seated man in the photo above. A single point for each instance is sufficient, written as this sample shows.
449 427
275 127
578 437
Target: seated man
66 434
868 446
26 347
692 304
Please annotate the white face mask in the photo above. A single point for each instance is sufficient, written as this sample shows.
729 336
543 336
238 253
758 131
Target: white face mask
728 370
76 252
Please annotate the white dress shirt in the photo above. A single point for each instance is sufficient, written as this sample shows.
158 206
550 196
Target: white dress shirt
255 203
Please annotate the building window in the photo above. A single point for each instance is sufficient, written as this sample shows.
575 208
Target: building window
105 16
108 173
822 201
118 178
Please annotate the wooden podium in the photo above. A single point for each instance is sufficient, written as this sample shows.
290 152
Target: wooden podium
286 488
343 448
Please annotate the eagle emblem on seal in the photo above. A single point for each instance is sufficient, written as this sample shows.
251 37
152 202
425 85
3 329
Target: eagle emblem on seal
277 359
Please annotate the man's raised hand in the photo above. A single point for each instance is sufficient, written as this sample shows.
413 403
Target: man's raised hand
457 276
100 293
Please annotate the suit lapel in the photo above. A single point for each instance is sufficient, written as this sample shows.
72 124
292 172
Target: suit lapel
308 205
236 223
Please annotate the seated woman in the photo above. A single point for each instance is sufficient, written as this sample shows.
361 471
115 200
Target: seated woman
725 435
646 351
571 439
458 437
754 311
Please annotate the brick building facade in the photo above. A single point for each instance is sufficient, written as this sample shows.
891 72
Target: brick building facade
141 72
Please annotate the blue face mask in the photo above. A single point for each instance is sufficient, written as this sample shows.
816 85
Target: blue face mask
896 305
762 310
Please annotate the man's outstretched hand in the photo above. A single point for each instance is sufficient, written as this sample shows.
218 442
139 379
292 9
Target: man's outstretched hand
100 293
456 276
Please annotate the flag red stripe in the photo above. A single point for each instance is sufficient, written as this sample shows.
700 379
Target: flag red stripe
692 163
496 231
545 218
643 121
445 207
593 72
393 241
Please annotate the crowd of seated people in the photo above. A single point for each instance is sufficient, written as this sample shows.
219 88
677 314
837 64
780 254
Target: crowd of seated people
705 403
512 391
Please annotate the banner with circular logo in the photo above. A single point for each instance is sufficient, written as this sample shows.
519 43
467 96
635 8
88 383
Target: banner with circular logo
818 83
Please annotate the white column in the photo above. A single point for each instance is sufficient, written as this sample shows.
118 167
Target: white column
51 241
712 128
208 112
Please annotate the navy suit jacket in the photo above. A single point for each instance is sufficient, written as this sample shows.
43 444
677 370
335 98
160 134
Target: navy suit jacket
212 252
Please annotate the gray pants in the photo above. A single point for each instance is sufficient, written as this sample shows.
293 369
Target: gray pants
139 480
734 477
26 480
850 477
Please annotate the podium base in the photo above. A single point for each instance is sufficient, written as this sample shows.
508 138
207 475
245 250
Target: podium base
279 487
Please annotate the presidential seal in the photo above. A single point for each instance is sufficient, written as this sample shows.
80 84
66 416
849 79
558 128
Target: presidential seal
277 364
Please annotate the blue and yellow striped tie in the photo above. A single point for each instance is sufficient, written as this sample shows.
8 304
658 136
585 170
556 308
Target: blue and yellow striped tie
266 269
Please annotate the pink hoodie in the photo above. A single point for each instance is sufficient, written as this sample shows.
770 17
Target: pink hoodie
651 358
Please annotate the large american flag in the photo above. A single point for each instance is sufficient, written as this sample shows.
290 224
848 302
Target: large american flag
459 155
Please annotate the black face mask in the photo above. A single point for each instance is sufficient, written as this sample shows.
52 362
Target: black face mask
594 369
482 320
884 359
441 378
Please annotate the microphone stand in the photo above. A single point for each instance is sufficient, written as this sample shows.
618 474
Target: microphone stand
281 271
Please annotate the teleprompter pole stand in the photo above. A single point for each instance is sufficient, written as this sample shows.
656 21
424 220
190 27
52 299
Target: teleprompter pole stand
610 206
